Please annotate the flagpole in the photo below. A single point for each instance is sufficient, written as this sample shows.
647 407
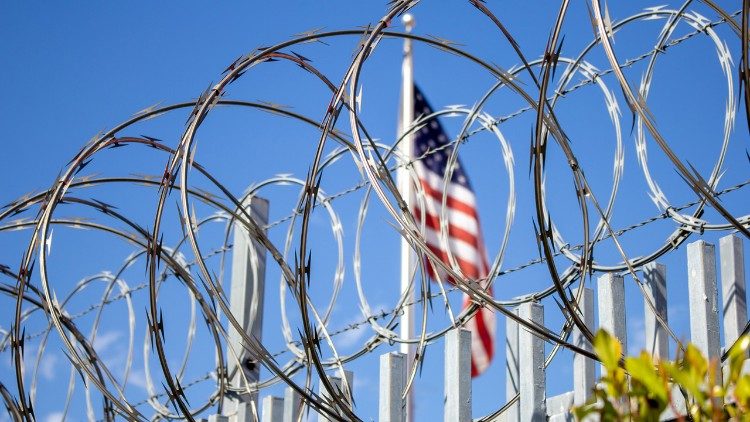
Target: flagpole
404 185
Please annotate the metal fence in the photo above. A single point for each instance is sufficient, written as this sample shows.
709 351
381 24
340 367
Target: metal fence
525 351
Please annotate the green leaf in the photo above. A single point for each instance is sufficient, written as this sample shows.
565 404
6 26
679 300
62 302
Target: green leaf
685 379
695 361
737 355
580 412
647 392
608 348
742 392
642 369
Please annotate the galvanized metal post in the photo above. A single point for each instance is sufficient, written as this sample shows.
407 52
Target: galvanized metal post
218 418
704 301
733 287
273 409
246 302
458 376
291 405
392 403
338 386
531 366
655 282
511 367
584 376
611 301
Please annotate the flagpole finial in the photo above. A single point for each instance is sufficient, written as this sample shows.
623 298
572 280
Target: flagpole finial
408 21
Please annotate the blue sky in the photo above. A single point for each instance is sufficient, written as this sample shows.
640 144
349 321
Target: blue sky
72 70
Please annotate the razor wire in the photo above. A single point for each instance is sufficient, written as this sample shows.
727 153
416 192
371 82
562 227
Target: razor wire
356 325
376 163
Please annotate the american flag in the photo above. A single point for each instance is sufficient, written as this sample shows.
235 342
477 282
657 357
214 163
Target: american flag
464 233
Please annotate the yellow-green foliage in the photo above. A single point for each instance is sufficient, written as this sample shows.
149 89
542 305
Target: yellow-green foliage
639 388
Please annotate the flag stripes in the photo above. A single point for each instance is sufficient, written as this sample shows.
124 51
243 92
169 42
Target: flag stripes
464 241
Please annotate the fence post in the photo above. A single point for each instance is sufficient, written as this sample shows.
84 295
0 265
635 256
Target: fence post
273 409
733 287
291 405
458 376
704 306
655 283
392 405
611 298
584 377
531 366
511 367
337 386
246 302
218 418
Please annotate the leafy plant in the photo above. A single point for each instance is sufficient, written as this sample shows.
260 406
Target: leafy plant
641 388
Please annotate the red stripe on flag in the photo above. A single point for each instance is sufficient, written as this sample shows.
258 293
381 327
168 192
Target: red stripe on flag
451 201
484 334
433 222
468 269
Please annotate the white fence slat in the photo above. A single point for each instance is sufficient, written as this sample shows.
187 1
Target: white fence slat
391 405
584 371
458 376
531 366
558 407
561 417
273 409
337 385
247 285
511 367
611 301
610 291
655 282
734 297
704 301
291 405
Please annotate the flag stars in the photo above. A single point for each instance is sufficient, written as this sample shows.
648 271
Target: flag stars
430 138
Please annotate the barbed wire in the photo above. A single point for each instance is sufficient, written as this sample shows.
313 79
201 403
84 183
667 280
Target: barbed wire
451 144
383 314
662 216
204 286
496 122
